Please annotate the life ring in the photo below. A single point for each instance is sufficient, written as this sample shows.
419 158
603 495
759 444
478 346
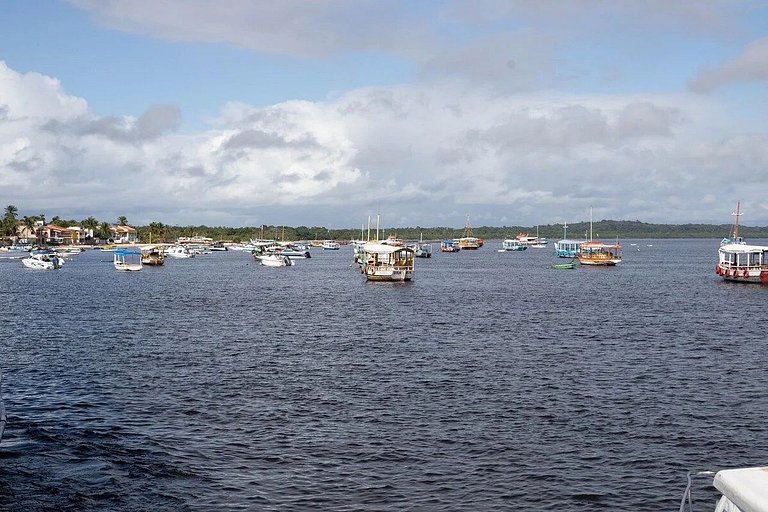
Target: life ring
745 273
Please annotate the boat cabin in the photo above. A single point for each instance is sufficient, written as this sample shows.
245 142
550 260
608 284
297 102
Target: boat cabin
382 262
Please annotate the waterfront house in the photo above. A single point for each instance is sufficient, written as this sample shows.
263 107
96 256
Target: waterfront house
124 235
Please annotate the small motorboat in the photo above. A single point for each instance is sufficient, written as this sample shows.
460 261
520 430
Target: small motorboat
43 260
275 260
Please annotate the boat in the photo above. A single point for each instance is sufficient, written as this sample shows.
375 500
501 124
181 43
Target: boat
179 252
739 261
152 256
218 246
567 248
512 244
449 246
421 250
468 241
275 260
127 260
43 260
331 245
564 266
741 490
383 262
596 253
532 241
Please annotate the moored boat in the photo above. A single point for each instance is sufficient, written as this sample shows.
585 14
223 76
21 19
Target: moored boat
739 261
43 260
331 245
469 241
512 244
127 260
274 260
449 246
179 252
596 253
565 247
152 256
383 262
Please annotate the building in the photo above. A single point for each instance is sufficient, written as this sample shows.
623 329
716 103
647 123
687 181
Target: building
124 235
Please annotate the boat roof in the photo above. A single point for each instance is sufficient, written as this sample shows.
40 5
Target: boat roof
385 248
595 243
747 488
743 248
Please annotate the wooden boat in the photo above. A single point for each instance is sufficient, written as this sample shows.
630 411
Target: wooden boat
564 266
598 253
127 260
152 256
468 241
739 261
382 262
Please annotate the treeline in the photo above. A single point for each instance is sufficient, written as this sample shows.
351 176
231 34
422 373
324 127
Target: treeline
605 229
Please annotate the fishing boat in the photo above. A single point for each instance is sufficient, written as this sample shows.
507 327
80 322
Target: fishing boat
468 241
383 262
564 266
596 253
43 260
449 246
739 261
741 490
421 249
567 248
512 244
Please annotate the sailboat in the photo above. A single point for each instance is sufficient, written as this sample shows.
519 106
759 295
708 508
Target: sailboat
597 253
468 241
538 242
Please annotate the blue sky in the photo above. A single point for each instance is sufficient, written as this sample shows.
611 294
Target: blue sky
324 112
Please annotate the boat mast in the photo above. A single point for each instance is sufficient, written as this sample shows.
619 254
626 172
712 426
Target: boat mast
590 223
565 230
736 224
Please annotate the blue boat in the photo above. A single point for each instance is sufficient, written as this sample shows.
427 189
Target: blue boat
567 248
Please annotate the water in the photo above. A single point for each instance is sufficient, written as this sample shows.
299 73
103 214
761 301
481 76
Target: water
491 382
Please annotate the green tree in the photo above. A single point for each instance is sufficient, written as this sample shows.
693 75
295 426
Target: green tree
9 220
122 220
105 230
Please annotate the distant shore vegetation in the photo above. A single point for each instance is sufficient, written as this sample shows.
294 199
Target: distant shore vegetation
604 229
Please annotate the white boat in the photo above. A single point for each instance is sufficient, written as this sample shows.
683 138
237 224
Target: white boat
739 261
275 260
741 489
127 260
383 262
43 260
512 244
567 248
330 245
179 251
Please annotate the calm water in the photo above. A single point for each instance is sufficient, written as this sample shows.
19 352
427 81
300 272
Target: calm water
491 382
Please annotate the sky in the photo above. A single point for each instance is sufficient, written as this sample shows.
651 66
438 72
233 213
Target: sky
427 113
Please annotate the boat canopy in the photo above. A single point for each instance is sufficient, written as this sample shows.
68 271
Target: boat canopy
747 488
126 251
385 248
743 248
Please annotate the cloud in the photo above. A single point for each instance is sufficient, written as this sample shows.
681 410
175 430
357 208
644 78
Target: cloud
421 154
750 66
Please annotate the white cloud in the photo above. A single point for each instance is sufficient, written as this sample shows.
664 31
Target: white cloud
425 155
750 66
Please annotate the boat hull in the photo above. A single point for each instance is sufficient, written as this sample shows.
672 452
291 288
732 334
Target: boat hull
742 274
389 275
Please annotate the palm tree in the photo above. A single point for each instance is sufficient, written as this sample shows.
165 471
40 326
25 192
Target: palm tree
122 220
9 220
105 230
90 224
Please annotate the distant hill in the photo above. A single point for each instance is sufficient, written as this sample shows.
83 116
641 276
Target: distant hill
604 229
